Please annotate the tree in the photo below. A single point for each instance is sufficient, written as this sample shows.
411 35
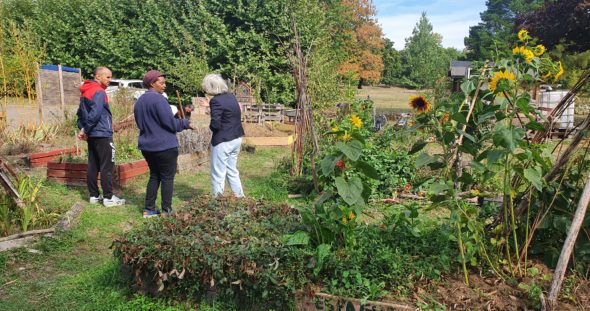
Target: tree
392 64
494 35
364 62
424 55
245 40
565 21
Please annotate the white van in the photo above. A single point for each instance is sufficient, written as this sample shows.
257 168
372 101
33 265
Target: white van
135 87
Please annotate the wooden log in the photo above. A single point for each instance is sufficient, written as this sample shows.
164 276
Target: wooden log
65 223
568 246
25 234
332 302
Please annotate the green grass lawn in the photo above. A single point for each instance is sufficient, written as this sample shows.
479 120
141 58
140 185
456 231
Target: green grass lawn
393 99
77 271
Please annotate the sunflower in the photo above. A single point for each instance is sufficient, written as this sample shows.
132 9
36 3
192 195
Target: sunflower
523 34
419 104
346 137
335 129
559 73
356 121
344 220
539 50
351 216
526 54
445 118
498 77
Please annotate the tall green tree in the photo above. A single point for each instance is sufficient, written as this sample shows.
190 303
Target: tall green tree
244 40
392 64
424 55
493 36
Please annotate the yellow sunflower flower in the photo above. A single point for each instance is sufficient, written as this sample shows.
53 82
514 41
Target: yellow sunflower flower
351 216
499 76
559 73
335 129
344 220
539 50
346 137
526 54
356 121
419 104
523 34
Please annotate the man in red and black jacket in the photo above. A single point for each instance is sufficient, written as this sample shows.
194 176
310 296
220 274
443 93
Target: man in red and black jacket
95 122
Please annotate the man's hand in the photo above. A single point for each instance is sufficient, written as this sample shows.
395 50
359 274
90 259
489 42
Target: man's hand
81 135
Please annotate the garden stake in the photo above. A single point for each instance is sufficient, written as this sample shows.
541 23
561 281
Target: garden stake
455 157
568 246
304 117
180 109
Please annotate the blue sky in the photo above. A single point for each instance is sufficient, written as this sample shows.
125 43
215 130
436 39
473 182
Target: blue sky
450 18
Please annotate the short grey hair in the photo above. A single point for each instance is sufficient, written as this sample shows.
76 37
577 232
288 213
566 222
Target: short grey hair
213 84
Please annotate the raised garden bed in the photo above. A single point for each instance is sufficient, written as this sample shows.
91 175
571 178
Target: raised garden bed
269 141
74 174
42 158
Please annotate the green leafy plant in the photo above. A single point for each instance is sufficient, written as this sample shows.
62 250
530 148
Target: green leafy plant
234 248
344 180
491 128
28 191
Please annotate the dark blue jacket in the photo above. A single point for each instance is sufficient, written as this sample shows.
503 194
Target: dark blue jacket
94 114
157 126
226 118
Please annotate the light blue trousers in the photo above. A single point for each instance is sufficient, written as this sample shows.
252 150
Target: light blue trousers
224 163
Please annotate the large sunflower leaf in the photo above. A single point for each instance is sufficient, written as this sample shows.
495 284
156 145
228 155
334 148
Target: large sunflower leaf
352 149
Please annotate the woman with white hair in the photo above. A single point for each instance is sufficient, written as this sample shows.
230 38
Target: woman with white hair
226 125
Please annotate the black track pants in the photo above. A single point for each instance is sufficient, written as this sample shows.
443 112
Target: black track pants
101 158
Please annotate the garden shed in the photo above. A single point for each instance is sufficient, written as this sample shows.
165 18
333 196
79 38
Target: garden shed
459 69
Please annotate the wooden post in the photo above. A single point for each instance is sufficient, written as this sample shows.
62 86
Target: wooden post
39 92
61 88
568 246
180 108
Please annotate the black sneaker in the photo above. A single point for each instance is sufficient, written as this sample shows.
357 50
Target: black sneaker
150 213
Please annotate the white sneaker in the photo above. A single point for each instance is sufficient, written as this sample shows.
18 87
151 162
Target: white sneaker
113 201
96 200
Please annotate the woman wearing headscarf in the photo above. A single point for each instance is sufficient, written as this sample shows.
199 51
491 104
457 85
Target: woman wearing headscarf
226 125
157 141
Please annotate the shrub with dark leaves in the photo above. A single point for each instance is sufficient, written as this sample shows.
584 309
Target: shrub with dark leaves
228 248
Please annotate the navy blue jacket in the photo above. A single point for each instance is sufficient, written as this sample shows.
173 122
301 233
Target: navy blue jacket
226 118
157 126
94 114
